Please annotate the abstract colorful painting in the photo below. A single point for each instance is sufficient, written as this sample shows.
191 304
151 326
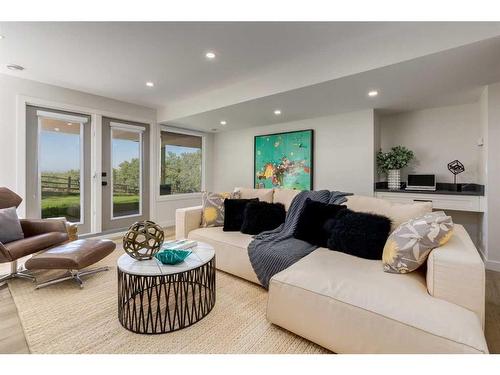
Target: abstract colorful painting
284 160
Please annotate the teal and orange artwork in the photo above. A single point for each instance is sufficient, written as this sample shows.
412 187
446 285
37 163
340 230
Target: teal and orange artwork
284 160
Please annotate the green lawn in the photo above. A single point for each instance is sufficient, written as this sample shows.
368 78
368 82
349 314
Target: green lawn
69 205
73 200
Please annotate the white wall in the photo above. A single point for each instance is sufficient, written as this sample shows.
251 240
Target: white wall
437 136
483 171
11 170
343 153
493 175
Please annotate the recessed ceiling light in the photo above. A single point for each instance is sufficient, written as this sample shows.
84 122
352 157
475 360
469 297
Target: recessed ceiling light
150 84
69 123
277 112
1 37
372 93
223 122
210 55
56 129
15 67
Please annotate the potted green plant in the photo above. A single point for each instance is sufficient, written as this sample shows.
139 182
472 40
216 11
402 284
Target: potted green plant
391 163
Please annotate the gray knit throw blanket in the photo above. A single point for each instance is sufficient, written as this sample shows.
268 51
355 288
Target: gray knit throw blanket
275 250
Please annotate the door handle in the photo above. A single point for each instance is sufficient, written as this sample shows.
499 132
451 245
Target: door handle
422 200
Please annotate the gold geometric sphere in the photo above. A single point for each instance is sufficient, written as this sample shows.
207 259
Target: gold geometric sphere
143 240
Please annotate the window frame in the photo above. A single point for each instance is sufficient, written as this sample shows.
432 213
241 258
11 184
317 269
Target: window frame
181 196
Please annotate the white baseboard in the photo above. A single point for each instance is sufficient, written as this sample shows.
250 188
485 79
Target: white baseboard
167 223
492 265
115 235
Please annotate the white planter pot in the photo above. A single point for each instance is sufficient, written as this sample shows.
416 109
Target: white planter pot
394 179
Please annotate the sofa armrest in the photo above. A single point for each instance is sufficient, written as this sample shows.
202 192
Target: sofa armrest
455 273
33 227
4 254
186 219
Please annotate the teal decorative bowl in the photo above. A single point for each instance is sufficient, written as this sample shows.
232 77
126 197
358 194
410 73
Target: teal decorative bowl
172 256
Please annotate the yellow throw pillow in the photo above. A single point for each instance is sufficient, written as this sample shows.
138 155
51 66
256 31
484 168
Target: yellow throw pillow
409 245
212 214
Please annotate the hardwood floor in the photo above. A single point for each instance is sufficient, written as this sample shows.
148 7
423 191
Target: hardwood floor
12 336
492 321
11 332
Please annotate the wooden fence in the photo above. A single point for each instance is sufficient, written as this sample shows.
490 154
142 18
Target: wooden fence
71 185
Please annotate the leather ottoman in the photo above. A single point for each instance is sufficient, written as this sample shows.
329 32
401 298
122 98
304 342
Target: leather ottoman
74 257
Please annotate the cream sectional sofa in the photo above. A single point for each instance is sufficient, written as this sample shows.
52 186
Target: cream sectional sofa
348 304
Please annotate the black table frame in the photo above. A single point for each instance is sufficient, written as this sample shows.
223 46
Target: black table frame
153 304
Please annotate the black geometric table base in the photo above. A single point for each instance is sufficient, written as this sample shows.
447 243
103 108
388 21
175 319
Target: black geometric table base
165 303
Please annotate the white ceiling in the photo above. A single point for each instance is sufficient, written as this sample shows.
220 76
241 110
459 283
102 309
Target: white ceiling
452 77
256 64
115 59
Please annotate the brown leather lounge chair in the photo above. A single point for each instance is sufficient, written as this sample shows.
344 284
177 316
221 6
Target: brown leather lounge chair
38 235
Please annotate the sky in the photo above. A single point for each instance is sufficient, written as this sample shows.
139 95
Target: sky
124 150
60 152
181 150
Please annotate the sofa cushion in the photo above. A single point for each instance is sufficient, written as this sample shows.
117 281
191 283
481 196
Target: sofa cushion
10 226
284 196
409 245
264 195
234 213
230 250
365 310
358 233
397 212
262 216
310 225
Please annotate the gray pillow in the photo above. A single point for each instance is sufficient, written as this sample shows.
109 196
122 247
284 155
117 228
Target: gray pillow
10 226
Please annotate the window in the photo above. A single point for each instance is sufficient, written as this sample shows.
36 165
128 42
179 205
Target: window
126 159
181 163
60 168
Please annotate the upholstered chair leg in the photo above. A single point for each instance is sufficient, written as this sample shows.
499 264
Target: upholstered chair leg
17 273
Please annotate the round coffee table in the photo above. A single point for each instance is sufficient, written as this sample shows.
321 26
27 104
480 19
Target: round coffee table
157 298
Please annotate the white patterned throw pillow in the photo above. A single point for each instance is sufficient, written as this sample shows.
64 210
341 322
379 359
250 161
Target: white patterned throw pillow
409 245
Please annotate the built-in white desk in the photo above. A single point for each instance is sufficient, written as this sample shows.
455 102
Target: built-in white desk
448 201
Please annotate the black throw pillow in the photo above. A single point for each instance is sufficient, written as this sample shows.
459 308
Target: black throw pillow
358 233
262 216
233 213
312 219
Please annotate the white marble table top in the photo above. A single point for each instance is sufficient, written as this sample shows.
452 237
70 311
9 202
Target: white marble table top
201 254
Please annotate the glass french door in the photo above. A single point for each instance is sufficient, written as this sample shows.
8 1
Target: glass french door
125 176
58 166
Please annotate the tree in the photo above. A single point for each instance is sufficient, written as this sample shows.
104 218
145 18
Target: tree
127 174
182 172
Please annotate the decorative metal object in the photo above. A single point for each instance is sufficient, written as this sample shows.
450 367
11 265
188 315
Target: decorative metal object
143 240
455 167
165 303
394 179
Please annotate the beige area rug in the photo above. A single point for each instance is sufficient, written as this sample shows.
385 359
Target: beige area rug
65 319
